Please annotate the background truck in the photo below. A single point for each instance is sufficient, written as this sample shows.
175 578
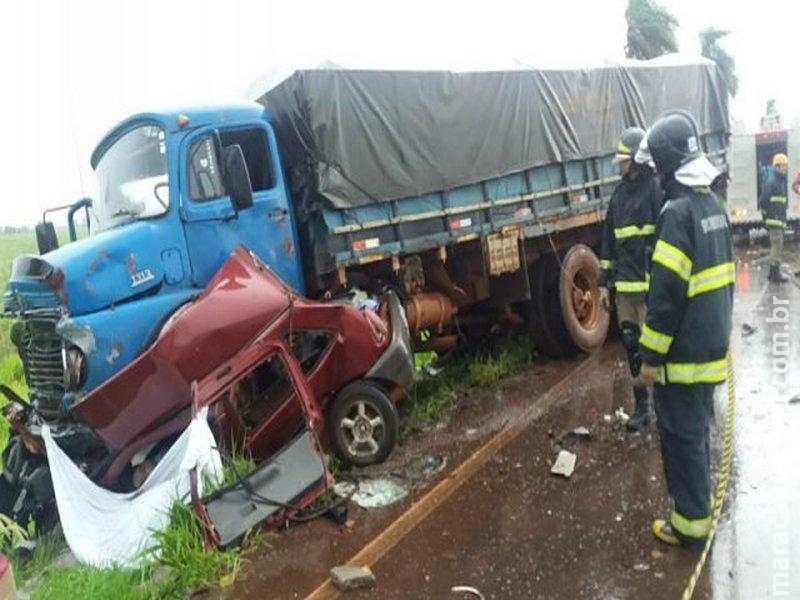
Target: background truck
476 197
750 159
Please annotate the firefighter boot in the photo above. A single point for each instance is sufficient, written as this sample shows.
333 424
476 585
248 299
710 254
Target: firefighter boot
641 414
775 274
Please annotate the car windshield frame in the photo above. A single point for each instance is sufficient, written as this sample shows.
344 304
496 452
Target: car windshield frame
131 178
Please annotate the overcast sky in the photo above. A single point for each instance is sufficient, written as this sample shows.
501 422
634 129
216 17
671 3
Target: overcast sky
74 68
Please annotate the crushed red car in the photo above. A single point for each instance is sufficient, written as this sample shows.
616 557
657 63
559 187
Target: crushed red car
281 374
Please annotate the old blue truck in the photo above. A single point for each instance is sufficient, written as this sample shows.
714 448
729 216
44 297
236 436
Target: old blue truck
477 197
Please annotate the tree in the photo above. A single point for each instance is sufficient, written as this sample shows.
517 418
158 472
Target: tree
772 107
651 30
710 48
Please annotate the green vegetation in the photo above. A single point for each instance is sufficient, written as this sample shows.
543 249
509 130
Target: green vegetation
12 244
651 30
434 396
710 48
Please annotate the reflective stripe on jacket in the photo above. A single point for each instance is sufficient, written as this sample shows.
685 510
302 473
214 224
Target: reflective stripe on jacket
629 232
774 200
692 278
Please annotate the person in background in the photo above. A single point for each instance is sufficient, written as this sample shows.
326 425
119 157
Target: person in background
628 234
772 203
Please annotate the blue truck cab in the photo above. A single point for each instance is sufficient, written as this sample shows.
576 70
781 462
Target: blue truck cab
165 216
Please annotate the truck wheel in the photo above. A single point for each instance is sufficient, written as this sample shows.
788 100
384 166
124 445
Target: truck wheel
363 424
579 290
544 310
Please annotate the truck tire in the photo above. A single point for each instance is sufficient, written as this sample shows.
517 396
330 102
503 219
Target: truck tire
579 292
544 310
363 424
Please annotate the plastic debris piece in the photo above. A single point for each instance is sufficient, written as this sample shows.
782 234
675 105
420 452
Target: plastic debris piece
581 431
641 567
466 589
471 431
377 493
565 464
607 418
621 415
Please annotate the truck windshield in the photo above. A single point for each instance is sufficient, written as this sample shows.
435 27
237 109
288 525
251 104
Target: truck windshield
132 181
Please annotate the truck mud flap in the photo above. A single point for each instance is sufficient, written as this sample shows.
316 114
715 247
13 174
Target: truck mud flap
276 489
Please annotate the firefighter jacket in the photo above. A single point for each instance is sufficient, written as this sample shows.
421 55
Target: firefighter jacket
773 199
687 329
629 232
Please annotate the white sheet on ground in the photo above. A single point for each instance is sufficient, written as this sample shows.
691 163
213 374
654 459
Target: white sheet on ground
105 528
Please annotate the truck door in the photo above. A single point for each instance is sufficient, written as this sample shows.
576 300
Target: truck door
214 228
743 187
793 152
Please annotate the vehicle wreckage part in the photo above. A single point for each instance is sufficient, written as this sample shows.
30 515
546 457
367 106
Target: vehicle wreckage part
396 364
363 424
280 483
431 310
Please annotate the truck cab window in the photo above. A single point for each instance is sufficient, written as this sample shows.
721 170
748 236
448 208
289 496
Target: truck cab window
256 154
205 177
131 178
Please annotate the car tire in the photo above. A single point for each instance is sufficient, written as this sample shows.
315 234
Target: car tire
363 424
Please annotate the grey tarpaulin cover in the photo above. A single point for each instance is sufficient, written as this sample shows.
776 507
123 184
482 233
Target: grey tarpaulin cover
359 137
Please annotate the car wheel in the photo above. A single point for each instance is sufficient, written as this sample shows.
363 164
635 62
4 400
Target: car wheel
363 424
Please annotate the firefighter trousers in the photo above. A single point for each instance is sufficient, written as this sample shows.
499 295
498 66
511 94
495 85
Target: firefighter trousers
684 415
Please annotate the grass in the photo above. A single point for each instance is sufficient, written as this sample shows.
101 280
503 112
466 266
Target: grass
435 395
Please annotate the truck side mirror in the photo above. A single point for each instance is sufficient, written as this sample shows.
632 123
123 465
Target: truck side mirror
46 238
237 178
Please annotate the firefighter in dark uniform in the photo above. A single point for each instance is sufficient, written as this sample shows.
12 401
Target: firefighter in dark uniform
628 238
772 202
685 338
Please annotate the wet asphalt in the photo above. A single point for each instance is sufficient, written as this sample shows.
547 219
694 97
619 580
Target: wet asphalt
513 530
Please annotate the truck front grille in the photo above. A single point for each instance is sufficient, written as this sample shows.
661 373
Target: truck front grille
40 350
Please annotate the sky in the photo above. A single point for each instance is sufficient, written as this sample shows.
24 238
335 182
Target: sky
72 69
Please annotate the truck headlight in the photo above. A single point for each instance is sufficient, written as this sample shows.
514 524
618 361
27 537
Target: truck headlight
74 363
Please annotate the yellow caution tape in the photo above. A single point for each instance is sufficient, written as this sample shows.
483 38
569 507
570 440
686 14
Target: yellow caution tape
722 483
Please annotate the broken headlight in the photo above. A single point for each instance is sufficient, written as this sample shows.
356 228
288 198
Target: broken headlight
74 362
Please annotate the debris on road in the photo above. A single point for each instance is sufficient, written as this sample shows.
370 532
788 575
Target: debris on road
581 432
748 329
471 431
377 493
565 464
466 589
347 578
621 415
641 567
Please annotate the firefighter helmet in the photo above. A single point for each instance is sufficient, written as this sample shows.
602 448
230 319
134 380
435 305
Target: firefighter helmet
629 143
673 141
780 160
